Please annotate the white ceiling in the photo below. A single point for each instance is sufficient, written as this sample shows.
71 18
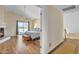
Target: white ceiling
60 7
32 11
29 11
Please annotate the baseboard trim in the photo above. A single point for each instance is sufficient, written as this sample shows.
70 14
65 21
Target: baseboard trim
56 47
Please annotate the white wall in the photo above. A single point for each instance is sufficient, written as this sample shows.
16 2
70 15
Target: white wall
71 21
44 27
8 17
8 20
52 28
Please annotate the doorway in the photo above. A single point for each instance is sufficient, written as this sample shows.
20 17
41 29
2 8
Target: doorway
22 27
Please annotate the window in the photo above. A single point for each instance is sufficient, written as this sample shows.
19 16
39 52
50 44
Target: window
22 27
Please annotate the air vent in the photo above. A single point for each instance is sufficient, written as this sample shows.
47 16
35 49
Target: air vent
69 8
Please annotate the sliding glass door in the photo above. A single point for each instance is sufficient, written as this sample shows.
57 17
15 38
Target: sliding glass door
22 27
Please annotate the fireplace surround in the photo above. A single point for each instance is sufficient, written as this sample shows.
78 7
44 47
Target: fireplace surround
3 37
1 32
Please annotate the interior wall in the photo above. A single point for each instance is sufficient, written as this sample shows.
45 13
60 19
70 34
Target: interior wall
44 32
71 22
31 25
52 27
34 23
55 27
8 20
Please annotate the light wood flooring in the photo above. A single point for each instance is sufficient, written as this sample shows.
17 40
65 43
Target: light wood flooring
16 45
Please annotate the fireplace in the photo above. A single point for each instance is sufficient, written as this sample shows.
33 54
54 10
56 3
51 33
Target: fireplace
1 32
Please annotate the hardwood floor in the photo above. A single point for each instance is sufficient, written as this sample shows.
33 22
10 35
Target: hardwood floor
69 46
16 45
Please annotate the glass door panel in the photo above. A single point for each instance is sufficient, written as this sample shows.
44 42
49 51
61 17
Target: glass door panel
25 27
22 27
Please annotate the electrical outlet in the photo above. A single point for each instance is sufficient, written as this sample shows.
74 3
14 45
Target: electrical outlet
49 44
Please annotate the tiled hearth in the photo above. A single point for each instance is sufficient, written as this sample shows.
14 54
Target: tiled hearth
5 38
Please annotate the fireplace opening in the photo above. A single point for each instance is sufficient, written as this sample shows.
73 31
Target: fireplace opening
1 32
